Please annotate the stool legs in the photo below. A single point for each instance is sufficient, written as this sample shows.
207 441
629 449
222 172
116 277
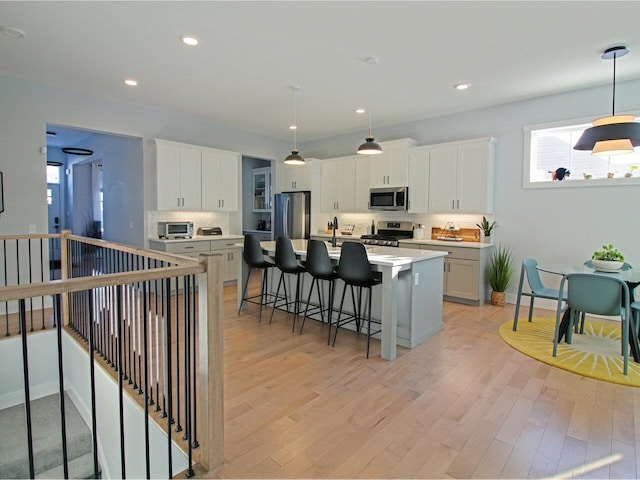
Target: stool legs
328 308
357 313
296 302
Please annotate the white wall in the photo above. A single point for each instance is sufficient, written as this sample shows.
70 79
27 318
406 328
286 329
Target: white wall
23 133
562 225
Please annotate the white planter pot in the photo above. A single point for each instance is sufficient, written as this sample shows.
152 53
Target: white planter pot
607 266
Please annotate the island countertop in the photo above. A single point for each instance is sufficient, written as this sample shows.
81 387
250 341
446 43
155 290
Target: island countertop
383 256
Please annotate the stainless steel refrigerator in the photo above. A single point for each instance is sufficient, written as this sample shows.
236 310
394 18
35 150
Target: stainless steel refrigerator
292 215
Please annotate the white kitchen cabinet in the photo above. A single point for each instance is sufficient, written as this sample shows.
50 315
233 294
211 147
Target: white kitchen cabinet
465 272
361 200
419 180
461 177
261 189
230 257
178 177
220 179
338 179
390 168
194 178
292 178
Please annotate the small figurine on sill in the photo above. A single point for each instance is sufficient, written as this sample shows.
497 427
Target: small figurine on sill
559 174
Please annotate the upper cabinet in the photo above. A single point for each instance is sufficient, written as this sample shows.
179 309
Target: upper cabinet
262 189
178 176
196 178
460 177
220 174
338 180
390 168
293 178
419 180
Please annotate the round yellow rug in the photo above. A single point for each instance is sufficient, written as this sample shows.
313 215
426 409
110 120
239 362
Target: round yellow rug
595 354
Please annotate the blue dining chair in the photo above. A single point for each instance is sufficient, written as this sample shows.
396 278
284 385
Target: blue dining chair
538 290
596 294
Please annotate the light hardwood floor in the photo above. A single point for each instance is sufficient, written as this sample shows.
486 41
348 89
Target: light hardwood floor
461 405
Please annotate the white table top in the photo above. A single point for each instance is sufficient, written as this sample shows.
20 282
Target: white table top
632 275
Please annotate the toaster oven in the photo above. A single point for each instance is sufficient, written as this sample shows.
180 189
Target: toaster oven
175 229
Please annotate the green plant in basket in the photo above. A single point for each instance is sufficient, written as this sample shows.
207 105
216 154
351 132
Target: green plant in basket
608 253
501 271
486 227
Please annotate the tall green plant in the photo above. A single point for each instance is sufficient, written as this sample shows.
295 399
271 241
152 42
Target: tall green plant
501 269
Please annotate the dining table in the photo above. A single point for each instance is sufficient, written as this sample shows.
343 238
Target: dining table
631 277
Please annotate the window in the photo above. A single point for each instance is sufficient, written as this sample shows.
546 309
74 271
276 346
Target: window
53 174
548 148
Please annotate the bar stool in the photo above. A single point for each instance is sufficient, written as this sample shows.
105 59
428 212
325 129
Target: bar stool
254 258
320 267
355 270
287 262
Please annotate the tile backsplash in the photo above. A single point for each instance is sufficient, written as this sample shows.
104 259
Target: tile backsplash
199 219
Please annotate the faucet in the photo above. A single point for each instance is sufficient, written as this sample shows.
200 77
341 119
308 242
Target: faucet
335 227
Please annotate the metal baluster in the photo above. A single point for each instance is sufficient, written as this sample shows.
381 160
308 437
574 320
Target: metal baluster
179 426
169 378
94 423
25 372
42 281
146 379
121 378
63 418
194 442
31 329
187 373
6 304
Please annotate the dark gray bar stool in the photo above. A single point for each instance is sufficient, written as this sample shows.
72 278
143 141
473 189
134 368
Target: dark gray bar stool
254 258
287 263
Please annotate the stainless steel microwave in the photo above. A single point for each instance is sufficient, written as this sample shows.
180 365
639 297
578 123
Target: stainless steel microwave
175 229
389 198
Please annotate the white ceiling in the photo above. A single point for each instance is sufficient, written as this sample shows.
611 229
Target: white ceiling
250 53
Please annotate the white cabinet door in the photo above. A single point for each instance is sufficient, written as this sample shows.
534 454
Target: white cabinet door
442 179
329 179
462 277
475 179
168 174
220 180
419 180
361 190
378 169
261 189
390 168
190 188
178 177
338 177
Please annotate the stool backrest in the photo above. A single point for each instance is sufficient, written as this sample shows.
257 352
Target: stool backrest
252 253
318 261
354 266
285 256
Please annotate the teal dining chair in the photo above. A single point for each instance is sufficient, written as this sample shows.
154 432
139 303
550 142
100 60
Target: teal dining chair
596 294
538 290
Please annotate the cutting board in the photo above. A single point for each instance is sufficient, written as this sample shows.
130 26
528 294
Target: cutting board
466 234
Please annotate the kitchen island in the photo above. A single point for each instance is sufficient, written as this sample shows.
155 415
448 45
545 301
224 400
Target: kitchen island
409 300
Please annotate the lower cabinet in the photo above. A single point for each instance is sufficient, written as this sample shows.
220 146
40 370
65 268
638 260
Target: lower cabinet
465 272
193 248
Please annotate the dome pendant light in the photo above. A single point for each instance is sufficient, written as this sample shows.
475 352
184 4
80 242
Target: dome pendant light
614 135
294 158
370 147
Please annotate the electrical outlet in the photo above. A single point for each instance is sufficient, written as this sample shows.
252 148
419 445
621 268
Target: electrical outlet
416 279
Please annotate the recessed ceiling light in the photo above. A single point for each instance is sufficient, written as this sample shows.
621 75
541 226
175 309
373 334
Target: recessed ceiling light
461 86
360 110
293 127
12 32
189 40
131 82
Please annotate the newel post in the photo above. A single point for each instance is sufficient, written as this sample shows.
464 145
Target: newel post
210 348
65 265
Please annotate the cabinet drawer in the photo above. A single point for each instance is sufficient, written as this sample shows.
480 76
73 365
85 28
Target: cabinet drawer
455 252
187 247
223 244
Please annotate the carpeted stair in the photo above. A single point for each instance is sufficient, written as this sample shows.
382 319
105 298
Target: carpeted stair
47 441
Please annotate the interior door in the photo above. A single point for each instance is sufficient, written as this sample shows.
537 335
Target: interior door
55 217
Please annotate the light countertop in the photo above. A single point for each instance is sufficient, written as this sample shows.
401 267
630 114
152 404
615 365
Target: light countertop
197 238
412 241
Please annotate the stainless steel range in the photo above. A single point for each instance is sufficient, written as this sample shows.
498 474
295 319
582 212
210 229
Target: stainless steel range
389 234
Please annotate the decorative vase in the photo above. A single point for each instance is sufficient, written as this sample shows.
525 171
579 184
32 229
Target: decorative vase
498 299
610 266
486 238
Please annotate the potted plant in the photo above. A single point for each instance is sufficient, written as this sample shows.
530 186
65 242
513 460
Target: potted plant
632 168
487 228
609 259
500 273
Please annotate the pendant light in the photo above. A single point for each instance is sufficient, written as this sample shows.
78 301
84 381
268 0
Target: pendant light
613 135
294 158
370 147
